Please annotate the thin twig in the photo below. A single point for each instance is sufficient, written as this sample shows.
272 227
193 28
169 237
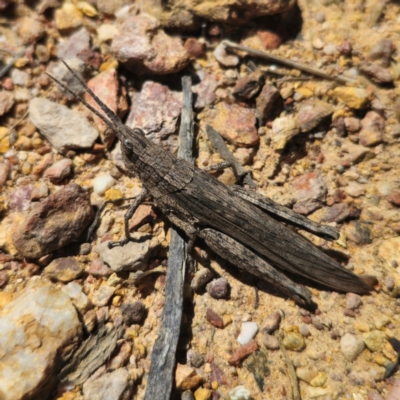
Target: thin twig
292 373
161 376
289 63
221 147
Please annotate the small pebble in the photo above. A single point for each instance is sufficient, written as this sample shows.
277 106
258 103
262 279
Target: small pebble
351 347
271 323
319 380
374 340
239 393
102 296
196 360
294 341
133 313
214 319
307 374
353 301
389 282
380 321
224 57
102 183
247 333
202 394
218 288
303 329
64 269
59 171
270 341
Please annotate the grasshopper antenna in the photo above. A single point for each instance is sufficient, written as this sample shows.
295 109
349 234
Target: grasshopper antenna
84 102
113 119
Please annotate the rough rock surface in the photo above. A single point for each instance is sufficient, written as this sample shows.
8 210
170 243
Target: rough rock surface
58 220
131 257
310 189
114 385
63 128
235 123
64 269
39 328
155 110
6 102
142 46
312 113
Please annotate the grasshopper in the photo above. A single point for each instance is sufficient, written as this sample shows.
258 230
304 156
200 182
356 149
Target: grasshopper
243 227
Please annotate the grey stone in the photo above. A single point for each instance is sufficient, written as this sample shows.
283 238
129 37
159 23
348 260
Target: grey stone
351 347
63 128
116 385
38 328
131 257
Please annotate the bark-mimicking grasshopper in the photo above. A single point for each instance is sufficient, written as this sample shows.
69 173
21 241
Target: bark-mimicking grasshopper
239 225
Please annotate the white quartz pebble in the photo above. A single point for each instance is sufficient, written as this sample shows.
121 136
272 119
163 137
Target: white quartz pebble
102 183
248 331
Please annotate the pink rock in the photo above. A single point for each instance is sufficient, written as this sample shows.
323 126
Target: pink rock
5 169
6 102
354 189
59 171
394 394
143 214
309 190
312 113
337 213
352 124
20 198
155 110
205 90
143 47
372 126
378 73
270 39
98 268
76 43
353 301
266 101
235 123
194 48
107 88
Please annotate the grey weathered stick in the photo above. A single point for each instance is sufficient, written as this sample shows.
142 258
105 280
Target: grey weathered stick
288 63
161 375
221 147
90 355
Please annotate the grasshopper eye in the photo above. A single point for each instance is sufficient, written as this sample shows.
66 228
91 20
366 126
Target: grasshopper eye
127 144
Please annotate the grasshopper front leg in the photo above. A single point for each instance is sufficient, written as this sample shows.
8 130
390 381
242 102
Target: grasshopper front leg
247 260
127 217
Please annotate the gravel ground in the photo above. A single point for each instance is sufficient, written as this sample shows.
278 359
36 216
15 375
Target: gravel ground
327 148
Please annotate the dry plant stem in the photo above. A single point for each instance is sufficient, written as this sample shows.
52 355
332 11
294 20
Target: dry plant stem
292 373
289 63
220 146
161 376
